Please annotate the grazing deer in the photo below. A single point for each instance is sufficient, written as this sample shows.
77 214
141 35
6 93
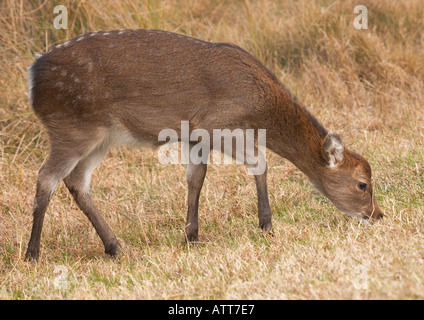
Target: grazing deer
123 87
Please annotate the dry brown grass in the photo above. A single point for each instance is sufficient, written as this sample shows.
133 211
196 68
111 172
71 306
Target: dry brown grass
367 85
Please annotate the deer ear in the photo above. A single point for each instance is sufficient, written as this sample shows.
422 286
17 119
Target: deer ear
333 150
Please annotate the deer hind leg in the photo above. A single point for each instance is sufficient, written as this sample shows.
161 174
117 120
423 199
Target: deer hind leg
66 152
78 184
56 166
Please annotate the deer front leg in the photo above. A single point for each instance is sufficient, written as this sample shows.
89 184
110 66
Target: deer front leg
256 164
195 174
264 210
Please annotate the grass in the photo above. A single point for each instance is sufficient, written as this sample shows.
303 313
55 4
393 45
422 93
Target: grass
367 85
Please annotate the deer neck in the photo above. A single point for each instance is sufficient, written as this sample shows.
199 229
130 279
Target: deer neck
296 135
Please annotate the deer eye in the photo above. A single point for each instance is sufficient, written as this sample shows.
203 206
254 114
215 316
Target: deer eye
362 186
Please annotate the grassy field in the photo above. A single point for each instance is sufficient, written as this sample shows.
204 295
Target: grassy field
366 85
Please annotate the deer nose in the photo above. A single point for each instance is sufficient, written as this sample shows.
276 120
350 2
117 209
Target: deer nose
380 216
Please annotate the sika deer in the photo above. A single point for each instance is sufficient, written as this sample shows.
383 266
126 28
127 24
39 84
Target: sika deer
118 87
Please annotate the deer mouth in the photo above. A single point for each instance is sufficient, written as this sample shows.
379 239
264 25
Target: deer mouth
360 216
368 218
372 219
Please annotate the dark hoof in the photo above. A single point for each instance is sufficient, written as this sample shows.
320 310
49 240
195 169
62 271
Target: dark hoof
112 250
191 238
265 225
32 255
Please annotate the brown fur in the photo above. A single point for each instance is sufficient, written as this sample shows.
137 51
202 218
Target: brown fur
130 84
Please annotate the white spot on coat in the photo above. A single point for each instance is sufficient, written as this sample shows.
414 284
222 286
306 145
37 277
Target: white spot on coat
30 83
